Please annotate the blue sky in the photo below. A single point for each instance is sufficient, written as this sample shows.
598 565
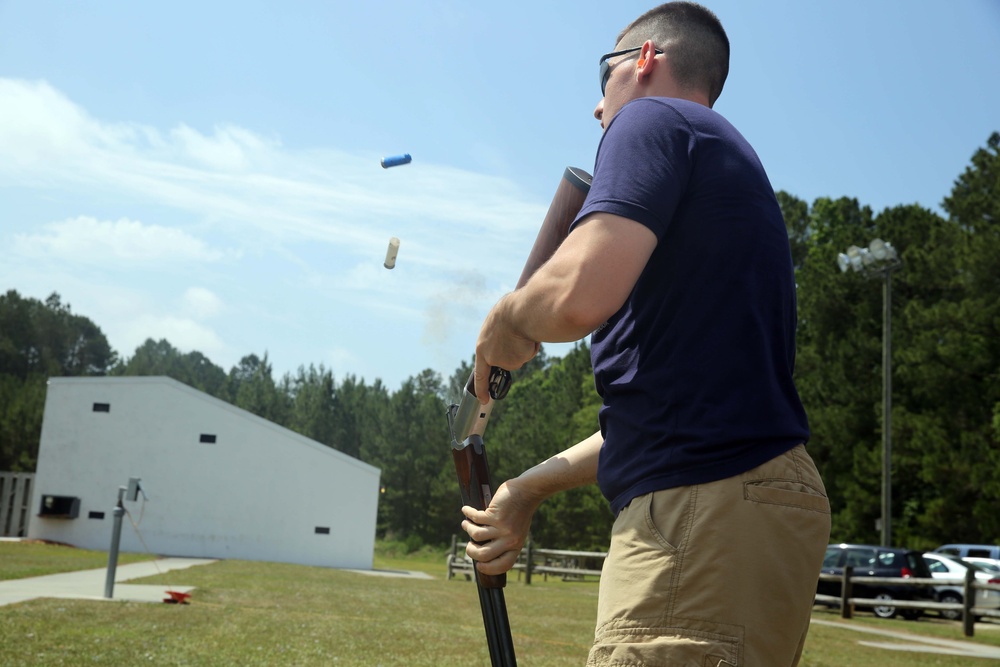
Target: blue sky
208 172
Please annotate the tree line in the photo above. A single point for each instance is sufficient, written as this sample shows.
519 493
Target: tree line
945 367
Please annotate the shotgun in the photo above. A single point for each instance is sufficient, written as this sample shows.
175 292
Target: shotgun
467 420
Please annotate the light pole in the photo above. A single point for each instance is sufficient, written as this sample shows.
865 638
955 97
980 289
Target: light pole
879 260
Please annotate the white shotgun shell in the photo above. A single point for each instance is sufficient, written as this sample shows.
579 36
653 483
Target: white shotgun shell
390 253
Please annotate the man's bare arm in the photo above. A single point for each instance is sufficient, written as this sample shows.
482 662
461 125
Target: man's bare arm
585 282
502 528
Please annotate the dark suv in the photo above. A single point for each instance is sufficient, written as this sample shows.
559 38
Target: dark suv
872 561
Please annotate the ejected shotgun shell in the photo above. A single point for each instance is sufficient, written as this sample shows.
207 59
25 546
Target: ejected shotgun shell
396 160
390 253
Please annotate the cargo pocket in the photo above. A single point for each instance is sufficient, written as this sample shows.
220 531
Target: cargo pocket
653 646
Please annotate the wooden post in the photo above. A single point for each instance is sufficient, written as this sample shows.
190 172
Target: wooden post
846 592
529 563
450 558
968 602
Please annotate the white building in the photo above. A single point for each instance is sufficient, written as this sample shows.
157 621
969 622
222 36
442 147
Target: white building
220 482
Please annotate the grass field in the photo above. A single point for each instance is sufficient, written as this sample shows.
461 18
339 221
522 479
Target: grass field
27 559
248 613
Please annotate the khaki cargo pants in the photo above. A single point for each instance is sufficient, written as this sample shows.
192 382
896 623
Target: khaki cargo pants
719 574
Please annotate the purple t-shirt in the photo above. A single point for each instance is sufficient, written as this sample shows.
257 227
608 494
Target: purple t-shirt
695 370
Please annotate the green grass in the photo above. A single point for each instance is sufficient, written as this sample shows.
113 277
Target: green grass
34 559
836 647
247 613
396 556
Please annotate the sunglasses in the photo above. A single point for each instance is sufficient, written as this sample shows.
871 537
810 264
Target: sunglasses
605 71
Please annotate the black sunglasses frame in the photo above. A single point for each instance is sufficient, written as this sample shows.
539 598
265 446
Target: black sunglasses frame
605 69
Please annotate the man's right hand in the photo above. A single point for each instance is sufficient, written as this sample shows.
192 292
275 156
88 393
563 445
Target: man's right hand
500 346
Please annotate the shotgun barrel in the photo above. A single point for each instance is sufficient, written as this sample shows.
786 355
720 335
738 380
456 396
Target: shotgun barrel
467 420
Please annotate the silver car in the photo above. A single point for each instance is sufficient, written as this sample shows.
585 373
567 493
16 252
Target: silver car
943 566
989 564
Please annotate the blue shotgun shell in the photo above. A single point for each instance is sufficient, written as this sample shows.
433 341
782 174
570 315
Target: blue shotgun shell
396 160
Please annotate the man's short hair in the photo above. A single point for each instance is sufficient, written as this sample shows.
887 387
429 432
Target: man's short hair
693 39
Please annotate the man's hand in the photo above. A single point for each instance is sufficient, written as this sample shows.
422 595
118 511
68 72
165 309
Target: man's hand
501 530
501 346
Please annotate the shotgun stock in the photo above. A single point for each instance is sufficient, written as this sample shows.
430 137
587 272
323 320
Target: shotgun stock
467 420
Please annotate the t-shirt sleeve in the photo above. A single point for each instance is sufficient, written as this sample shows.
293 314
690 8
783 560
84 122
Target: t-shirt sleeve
643 165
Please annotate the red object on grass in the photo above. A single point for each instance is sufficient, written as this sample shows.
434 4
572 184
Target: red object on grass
176 597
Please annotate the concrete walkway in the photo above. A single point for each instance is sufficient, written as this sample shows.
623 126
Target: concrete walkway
908 642
89 584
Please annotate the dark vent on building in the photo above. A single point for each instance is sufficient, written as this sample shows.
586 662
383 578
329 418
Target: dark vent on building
95 515
102 407
207 437
322 530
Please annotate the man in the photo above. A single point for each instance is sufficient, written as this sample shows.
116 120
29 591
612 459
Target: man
679 267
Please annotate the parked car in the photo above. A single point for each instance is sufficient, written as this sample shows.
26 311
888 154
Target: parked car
943 566
872 561
988 564
966 550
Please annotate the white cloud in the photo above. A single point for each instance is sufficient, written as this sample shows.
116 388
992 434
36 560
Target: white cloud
230 148
183 333
88 240
37 123
289 244
238 180
201 303
342 361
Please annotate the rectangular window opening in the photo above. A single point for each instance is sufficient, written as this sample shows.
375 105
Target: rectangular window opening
102 407
207 437
95 515
59 507
322 530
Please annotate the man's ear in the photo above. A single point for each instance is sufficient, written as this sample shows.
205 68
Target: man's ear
644 66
